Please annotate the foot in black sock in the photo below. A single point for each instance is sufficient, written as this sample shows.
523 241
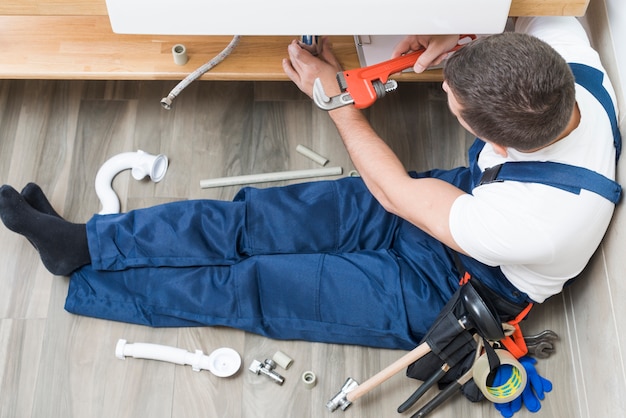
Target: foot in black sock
62 245
35 197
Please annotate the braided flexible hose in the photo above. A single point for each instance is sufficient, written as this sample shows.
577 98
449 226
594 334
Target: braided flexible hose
166 102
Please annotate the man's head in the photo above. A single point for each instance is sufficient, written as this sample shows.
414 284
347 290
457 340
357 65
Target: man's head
511 89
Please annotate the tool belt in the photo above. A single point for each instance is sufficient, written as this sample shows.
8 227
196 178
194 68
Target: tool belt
456 353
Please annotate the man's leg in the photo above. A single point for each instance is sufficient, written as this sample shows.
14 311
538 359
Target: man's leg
329 216
336 298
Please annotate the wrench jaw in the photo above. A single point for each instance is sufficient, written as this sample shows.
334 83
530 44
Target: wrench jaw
324 102
375 91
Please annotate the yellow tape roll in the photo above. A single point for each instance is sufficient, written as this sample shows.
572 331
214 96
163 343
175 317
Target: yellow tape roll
511 389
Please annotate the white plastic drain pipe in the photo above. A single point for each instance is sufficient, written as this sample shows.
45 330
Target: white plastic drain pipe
222 362
141 165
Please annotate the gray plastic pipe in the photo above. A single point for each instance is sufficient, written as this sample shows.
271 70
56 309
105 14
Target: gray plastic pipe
141 165
269 177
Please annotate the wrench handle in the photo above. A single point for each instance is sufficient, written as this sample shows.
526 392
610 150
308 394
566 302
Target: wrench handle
358 81
383 375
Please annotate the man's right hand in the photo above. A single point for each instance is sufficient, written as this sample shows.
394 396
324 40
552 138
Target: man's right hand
436 49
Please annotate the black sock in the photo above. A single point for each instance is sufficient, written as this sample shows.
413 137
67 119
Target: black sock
35 197
62 245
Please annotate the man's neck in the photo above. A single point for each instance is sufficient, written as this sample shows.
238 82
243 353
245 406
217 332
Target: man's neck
571 125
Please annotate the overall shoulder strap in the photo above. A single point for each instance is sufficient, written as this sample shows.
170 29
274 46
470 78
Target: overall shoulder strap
591 79
563 176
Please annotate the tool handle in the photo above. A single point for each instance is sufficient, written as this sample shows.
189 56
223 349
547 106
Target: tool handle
422 390
383 70
389 371
443 396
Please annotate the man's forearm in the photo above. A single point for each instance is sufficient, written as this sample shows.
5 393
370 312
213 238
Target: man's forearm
374 160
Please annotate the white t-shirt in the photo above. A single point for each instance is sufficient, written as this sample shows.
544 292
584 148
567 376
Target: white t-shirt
539 235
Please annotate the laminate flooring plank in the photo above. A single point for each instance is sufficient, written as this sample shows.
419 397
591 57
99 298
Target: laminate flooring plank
222 127
82 377
105 128
159 131
45 132
276 91
202 393
11 96
558 368
305 125
111 90
401 119
593 324
447 142
417 125
20 347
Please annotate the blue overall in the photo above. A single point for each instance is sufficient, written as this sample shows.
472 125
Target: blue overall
319 261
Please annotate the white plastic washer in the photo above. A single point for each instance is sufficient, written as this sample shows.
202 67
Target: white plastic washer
309 379
224 362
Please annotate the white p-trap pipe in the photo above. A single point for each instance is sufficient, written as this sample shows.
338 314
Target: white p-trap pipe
268 177
141 165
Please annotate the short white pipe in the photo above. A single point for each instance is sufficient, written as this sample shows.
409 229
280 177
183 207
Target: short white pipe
309 153
141 165
179 52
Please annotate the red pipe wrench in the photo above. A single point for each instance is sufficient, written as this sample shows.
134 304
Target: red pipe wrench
362 86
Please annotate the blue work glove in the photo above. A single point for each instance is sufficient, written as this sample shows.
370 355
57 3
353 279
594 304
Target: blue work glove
536 387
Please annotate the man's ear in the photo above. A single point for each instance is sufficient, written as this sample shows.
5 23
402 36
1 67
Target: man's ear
500 150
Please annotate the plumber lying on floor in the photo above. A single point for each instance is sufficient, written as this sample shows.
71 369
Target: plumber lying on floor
377 252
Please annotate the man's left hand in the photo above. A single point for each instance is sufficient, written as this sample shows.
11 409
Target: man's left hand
303 68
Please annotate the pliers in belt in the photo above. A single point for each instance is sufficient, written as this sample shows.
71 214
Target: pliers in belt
363 86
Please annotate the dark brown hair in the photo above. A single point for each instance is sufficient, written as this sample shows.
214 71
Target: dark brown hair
514 89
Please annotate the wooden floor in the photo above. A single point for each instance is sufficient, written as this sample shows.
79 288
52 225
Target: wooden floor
58 133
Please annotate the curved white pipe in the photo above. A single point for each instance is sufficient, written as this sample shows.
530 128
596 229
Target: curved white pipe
141 163
222 362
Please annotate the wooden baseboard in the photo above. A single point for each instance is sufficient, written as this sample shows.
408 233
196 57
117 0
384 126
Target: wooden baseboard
73 39
84 47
